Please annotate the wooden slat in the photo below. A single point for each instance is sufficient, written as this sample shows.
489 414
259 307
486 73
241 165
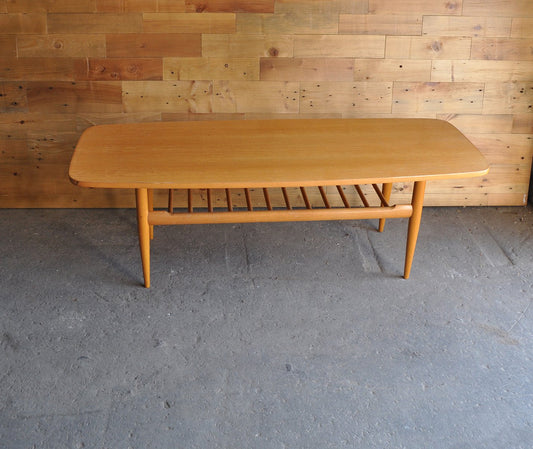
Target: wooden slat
246 45
324 197
522 123
13 97
511 98
297 21
522 27
504 49
252 96
253 6
209 201
164 218
391 25
248 199
113 69
268 203
167 96
361 196
438 97
343 197
121 6
498 8
505 148
344 46
413 47
392 70
61 45
66 6
467 26
188 23
286 198
345 97
82 96
228 200
8 46
383 200
35 69
426 7
211 68
94 23
309 69
305 198
477 123
481 71
144 45
33 23
171 200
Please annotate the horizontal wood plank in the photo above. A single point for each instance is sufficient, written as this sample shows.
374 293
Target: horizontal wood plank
481 71
13 97
255 96
122 6
511 98
522 27
252 6
422 6
510 149
31 23
503 49
34 69
211 68
392 25
94 23
392 70
345 97
144 45
8 46
118 69
247 46
296 22
438 97
467 26
209 23
498 8
442 47
477 123
61 46
308 69
64 97
167 96
345 46
64 6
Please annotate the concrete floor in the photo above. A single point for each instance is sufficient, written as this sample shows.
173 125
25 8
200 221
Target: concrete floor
285 335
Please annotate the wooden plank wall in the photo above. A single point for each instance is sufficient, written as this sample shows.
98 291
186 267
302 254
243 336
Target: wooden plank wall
66 65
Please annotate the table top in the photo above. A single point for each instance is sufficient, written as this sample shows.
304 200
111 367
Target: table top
272 153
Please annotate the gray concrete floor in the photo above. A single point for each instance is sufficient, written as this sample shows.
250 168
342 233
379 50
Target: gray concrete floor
285 335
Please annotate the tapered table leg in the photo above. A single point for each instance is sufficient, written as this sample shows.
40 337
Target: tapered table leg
414 225
387 189
151 209
141 196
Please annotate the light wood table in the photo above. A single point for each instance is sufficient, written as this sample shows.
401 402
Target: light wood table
273 154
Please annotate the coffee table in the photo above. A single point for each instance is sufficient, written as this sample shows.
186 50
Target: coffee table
329 155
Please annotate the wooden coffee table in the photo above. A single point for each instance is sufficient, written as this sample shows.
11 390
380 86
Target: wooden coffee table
322 154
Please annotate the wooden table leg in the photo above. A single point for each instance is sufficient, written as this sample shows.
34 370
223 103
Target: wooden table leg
141 196
387 189
414 225
151 209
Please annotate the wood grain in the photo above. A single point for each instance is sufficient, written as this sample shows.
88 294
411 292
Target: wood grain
142 45
177 60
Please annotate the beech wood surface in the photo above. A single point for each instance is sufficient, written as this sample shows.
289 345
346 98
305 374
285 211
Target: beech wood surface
272 153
